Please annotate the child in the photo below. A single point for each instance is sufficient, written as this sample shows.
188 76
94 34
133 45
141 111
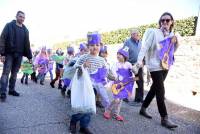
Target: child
124 86
50 63
66 81
83 49
103 53
59 66
33 75
94 64
27 70
41 63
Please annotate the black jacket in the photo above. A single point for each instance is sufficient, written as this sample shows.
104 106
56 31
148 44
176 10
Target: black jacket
8 38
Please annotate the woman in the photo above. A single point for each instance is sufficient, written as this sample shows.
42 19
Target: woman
151 49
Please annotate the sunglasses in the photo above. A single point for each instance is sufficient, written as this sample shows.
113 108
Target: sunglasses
167 20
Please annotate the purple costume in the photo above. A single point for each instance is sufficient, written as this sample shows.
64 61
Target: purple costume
165 44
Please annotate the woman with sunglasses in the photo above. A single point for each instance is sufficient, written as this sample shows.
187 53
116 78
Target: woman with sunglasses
150 50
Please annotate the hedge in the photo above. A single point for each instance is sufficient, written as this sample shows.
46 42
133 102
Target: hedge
185 27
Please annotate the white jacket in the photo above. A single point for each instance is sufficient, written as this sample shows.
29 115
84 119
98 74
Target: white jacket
150 48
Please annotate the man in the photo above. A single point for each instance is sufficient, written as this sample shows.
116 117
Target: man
134 45
14 44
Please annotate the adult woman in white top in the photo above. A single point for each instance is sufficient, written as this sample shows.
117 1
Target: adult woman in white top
150 50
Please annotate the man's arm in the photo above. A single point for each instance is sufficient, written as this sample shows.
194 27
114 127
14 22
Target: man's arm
3 38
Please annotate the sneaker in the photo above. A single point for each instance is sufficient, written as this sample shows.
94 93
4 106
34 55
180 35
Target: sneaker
85 130
72 128
13 93
3 97
118 117
106 115
52 85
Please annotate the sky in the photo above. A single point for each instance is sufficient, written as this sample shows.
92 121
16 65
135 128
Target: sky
51 21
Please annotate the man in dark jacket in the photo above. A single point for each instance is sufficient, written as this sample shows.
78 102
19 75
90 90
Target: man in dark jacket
14 44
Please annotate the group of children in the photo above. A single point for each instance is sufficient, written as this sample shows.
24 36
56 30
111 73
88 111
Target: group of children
93 58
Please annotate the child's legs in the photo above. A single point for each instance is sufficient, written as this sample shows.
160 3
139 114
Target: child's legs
23 77
39 76
111 106
51 74
101 90
117 106
26 78
42 77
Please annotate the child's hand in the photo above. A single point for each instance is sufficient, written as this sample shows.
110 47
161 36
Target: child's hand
86 64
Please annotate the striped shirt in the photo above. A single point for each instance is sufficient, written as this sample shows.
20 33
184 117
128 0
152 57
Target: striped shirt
95 62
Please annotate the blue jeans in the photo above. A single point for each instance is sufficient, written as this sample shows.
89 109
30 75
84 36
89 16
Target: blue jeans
84 119
51 74
12 64
41 77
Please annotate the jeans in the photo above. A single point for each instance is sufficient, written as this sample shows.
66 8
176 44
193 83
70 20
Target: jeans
51 74
84 119
140 83
41 76
157 89
12 64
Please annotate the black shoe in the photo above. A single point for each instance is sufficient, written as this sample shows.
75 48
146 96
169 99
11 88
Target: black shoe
62 92
26 82
85 130
22 81
13 93
144 113
52 84
3 97
165 122
69 93
99 104
60 87
72 128
126 100
41 83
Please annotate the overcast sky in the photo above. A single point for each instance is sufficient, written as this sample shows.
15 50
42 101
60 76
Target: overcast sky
50 21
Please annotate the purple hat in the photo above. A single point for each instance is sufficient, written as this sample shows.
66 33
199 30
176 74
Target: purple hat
70 50
82 46
124 51
103 49
93 38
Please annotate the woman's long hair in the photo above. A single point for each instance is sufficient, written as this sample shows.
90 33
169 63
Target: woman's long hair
167 13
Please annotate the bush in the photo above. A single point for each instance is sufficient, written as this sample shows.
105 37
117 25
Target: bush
185 27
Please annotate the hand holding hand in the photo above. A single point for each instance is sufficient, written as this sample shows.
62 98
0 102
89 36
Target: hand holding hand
2 59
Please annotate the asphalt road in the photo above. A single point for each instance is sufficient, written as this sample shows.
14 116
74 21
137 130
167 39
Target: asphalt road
42 110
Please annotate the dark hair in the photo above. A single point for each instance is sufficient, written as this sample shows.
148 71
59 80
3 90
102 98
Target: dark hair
167 13
18 12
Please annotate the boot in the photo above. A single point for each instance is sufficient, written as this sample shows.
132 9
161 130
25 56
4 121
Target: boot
144 113
85 130
165 122
72 127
